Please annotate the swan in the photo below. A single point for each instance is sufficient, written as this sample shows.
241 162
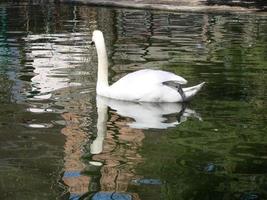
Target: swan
145 85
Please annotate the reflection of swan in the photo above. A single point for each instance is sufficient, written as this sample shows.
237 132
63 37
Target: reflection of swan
145 115
149 115
97 145
143 85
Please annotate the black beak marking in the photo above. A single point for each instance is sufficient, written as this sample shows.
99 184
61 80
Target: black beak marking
92 43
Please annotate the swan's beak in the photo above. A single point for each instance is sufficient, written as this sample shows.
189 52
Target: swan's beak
92 43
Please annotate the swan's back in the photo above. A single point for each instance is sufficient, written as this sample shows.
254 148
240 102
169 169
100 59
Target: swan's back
148 76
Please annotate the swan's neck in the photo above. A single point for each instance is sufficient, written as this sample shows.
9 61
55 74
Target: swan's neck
102 74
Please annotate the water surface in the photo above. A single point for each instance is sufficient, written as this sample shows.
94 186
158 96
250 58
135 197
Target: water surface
59 141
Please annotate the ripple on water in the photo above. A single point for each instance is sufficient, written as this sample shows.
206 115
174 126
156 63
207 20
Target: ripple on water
49 115
50 58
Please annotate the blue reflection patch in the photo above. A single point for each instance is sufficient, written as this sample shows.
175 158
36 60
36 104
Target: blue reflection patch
147 181
74 197
111 196
71 174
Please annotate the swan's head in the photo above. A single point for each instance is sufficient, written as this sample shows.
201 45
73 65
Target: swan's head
97 37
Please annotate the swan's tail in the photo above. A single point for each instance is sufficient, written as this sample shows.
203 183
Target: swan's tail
192 91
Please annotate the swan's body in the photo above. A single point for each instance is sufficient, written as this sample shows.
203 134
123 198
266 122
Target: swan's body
144 85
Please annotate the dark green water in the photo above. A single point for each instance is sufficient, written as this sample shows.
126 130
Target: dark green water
58 142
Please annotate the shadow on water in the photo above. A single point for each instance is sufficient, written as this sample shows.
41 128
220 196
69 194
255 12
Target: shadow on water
59 142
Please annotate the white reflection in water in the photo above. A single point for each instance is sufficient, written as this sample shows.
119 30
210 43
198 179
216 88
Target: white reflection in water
52 56
145 116
40 110
43 125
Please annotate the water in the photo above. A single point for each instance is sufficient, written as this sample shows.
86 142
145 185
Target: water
58 141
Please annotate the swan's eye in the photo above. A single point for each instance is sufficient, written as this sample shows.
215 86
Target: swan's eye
92 43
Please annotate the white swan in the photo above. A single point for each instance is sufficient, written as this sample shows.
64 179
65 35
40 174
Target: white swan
144 85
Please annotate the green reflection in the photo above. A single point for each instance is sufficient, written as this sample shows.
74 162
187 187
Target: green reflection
221 157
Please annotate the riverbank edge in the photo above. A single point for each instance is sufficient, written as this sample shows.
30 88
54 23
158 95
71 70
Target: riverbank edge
163 5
